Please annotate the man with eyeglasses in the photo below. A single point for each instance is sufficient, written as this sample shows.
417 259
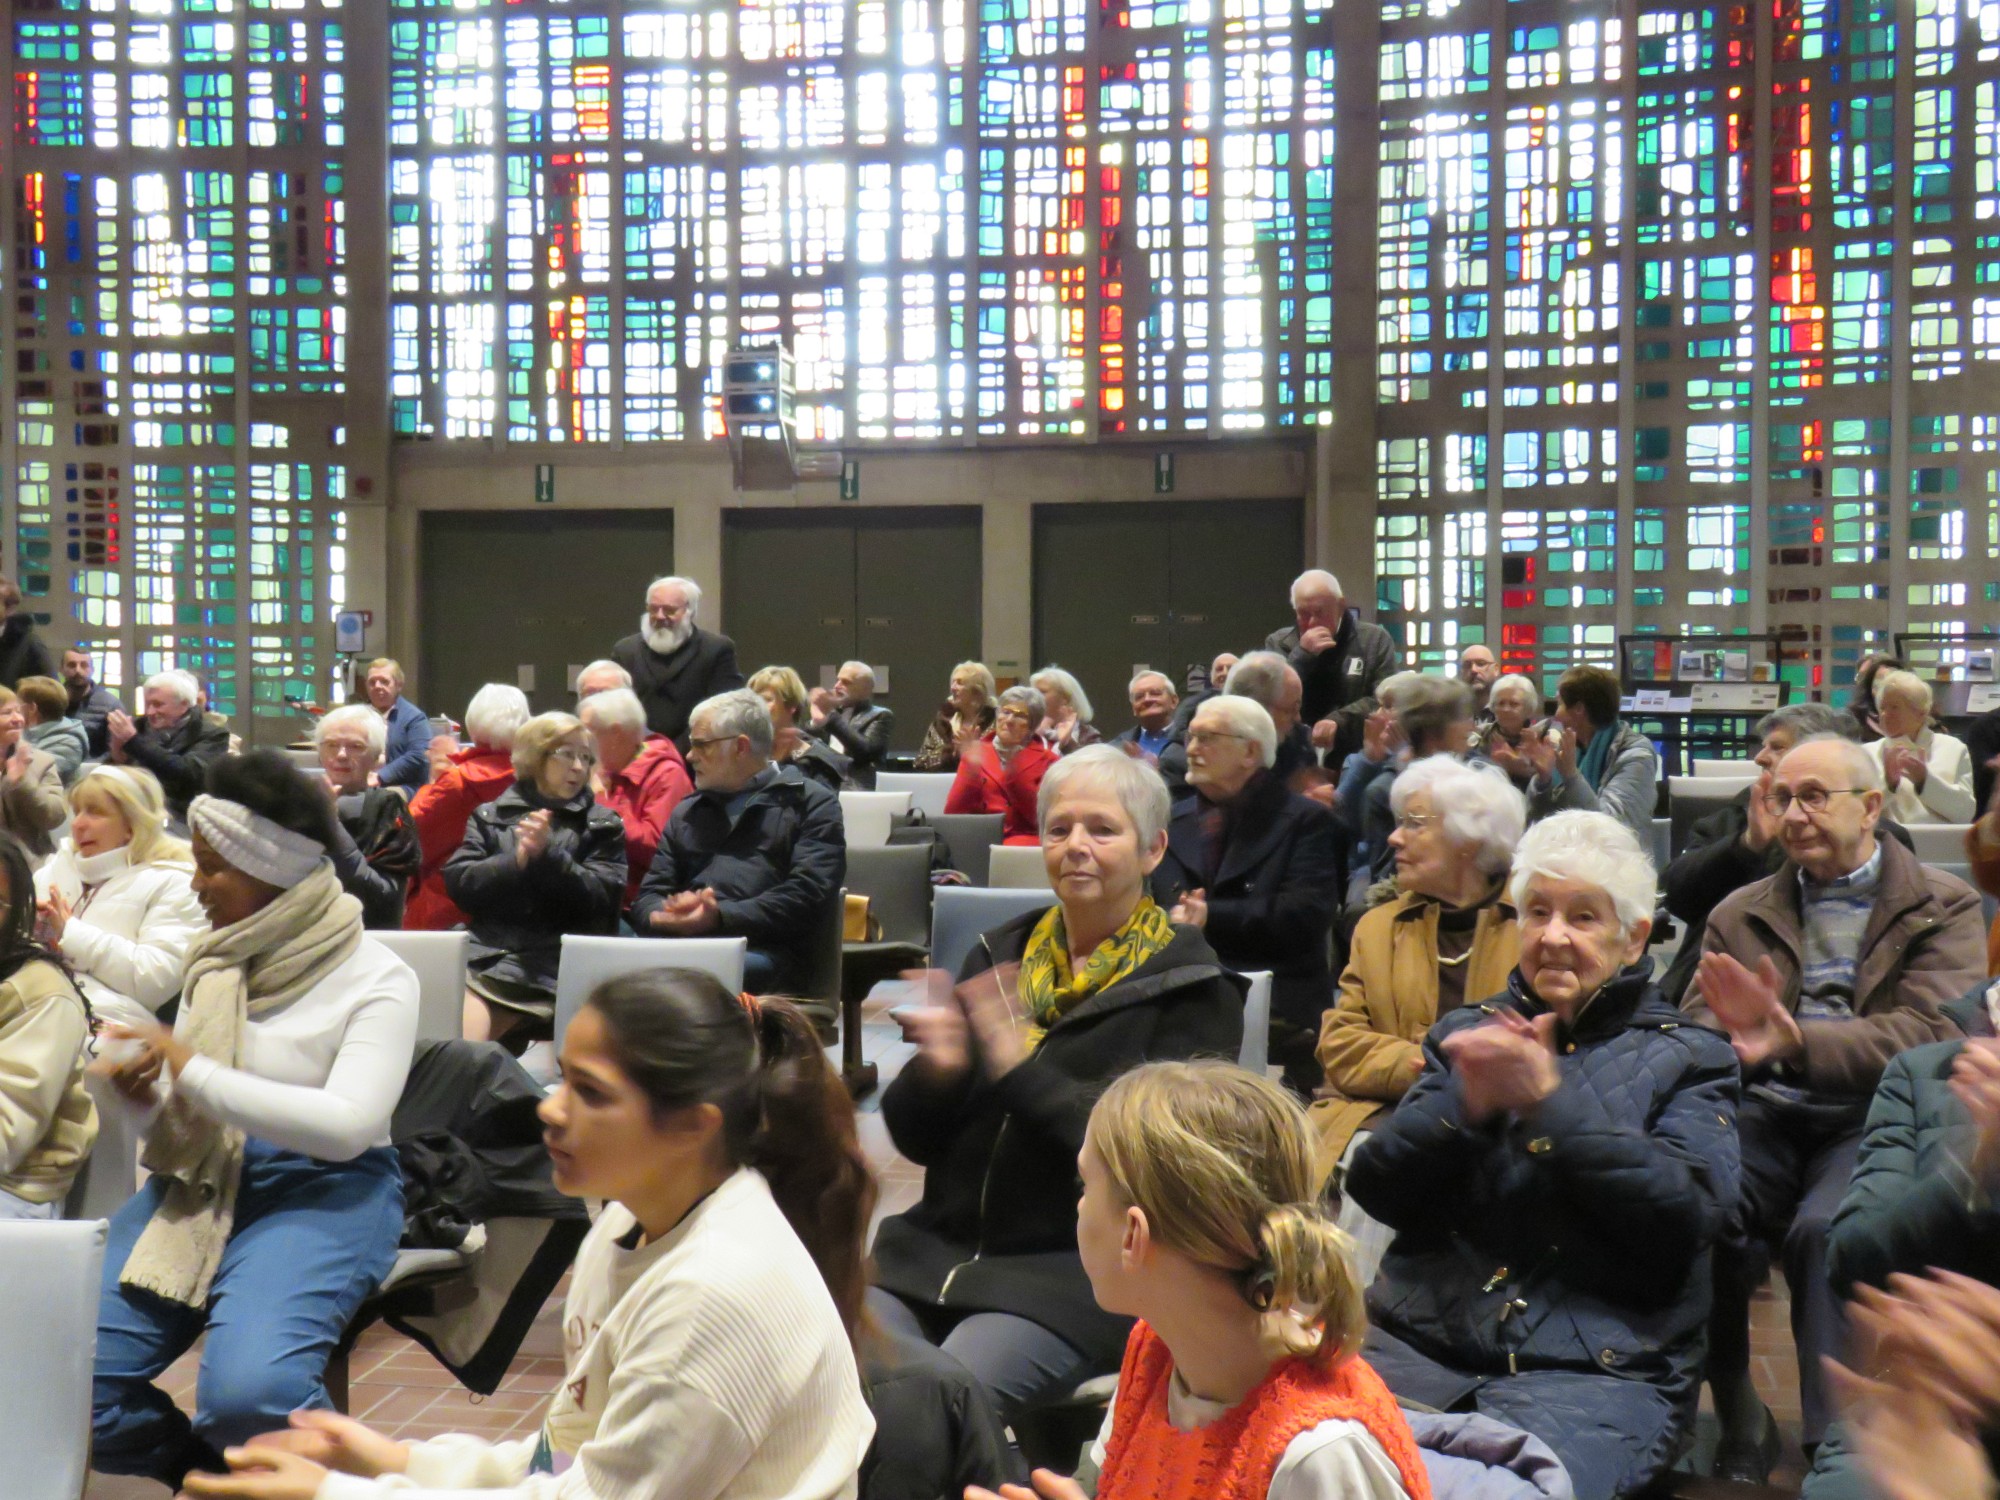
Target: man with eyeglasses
1821 974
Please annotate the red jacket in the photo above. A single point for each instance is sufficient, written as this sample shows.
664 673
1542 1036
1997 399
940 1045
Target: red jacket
478 774
982 787
645 795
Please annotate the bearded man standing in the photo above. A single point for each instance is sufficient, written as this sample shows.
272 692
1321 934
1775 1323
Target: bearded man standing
674 663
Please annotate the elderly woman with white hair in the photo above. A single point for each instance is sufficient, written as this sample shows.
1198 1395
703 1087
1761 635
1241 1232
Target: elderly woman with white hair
1049 1009
1003 772
967 714
462 781
1516 706
1928 772
378 853
639 776
176 741
1556 1178
1066 711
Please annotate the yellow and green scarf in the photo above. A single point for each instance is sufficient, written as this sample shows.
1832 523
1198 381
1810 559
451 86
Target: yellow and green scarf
1049 991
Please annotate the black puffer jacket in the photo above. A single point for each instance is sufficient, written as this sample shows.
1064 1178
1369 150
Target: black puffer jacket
517 914
179 758
1578 1240
996 1230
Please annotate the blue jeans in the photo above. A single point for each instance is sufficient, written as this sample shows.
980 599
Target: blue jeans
760 973
312 1240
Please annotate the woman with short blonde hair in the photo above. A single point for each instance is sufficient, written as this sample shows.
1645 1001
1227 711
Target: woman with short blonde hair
966 715
1066 712
784 693
463 779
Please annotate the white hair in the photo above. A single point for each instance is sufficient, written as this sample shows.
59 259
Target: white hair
1134 782
355 716
614 708
1258 676
1317 581
183 685
1906 686
1514 682
736 713
1133 686
1389 687
1068 686
1862 770
1479 808
1592 848
686 585
859 669
1244 716
495 714
606 664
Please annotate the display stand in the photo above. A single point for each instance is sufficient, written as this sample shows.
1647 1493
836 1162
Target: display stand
1700 696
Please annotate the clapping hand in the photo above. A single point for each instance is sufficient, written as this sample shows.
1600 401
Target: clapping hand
1506 1066
1380 735
335 1442
16 766
1762 826
1048 1485
136 1076
1902 762
1751 1007
688 914
52 912
994 1014
1975 1083
531 837
119 729
258 1472
934 1022
1191 910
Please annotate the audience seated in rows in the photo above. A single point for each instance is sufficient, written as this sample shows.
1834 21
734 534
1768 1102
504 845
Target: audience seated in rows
1513 709
967 714
1268 680
1479 669
406 752
639 775
752 852
1555 1179
175 740
673 662
377 854
116 901
90 703
1820 973
1448 939
1049 1008
1002 773
542 860
1927 773
1255 867
1432 716
45 707
1153 704
1861 702
1218 674
857 725
1597 763
273 1203
1066 712
1340 659
462 781
802 754
708 1340
32 804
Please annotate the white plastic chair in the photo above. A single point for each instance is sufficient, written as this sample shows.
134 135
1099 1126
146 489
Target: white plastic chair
1738 769
1256 1023
439 961
927 789
960 914
48 1342
588 961
867 816
1940 844
1017 867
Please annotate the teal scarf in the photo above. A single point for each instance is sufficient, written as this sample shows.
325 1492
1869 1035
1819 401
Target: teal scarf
1597 755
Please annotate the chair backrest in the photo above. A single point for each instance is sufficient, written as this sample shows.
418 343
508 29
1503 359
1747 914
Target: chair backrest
48 1343
110 1174
1692 798
1940 844
927 789
439 961
588 961
968 840
1256 1023
1731 769
1017 867
960 914
896 879
866 816
1662 848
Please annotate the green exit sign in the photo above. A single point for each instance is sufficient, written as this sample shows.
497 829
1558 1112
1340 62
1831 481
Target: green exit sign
545 484
1163 473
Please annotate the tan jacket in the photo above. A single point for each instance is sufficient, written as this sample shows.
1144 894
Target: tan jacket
47 1120
35 807
1371 1040
1925 944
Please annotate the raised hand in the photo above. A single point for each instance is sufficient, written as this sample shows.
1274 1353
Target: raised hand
1191 910
1750 1005
1506 1066
531 836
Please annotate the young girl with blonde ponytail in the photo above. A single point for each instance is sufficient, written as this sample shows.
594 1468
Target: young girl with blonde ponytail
1240 1381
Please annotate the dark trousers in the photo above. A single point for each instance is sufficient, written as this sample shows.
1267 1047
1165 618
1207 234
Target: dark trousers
1797 1159
1020 1362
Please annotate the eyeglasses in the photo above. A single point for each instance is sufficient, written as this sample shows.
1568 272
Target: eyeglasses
569 755
1210 736
720 739
1813 799
1417 822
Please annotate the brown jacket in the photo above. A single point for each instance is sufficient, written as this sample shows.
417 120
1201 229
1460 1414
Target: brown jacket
1982 853
34 807
1924 945
1371 1039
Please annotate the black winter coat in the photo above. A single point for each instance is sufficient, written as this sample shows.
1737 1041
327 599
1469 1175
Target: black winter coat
860 731
1577 1239
22 652
1272 899
936 1430
179 759
775 867
517 914
672 685
996 1228
1340 682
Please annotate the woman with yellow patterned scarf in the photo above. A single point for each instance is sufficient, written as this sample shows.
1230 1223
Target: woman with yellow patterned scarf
1049 1009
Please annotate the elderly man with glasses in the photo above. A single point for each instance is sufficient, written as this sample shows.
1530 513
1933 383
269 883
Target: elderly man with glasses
1821 974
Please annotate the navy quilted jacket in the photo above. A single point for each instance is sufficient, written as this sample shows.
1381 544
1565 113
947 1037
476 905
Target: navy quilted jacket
1577 1239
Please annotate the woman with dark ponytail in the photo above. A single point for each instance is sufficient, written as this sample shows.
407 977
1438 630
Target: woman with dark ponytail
708 1334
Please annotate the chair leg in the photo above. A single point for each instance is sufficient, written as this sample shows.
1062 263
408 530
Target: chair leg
860 1076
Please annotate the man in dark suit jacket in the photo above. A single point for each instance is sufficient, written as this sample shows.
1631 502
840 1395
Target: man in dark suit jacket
675 664
858 727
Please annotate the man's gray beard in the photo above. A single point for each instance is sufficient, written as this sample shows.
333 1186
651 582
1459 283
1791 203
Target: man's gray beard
667 639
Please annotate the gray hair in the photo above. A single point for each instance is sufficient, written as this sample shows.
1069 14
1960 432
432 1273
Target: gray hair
606 664
1514 682
1134 782
1028 698
686 585
183 685
1429 706
1862 770
355 716
1392 687
1592 848
859 669
496 714
1068 686
1806 721
1908 686
740 712
1258 676
1244 716
1478 807
1139 677
1317 581
614 708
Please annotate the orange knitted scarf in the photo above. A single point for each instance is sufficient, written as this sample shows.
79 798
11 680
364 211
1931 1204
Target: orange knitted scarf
1234 1458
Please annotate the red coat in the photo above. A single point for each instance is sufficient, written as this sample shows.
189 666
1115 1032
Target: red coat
477 775
645 795
982 787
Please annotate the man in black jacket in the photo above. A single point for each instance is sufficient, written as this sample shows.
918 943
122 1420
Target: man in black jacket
674 663
1340 659
90 703
177 742
22 653
752 853
858 726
